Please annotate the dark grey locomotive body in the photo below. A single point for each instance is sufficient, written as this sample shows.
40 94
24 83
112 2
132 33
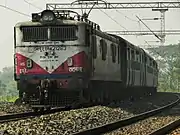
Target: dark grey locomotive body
120 69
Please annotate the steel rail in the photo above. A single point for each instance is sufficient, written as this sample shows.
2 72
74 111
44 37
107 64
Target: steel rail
167 128
19 116
120 123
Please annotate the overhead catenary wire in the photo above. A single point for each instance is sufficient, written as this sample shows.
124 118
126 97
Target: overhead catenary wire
16 11
123 14
125 28
32 5
3 6
150 29
162 56
113 19
135 21
154 50
147 42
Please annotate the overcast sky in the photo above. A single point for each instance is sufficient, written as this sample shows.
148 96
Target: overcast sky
10 18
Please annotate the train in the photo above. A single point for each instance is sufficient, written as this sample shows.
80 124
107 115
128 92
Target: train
62 58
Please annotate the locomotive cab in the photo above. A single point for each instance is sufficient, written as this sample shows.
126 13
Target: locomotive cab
51 58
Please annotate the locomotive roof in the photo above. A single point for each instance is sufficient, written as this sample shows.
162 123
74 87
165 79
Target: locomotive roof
76 22
30 23
122 39
131 45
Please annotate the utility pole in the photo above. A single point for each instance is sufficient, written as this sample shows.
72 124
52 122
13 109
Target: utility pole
162 34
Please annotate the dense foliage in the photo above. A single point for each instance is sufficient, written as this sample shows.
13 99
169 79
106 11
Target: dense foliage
7 84
168 58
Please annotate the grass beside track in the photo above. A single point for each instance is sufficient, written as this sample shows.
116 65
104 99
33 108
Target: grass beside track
169 90
8 98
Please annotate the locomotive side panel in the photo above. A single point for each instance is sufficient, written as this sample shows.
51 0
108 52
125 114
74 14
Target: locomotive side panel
107 64
133 66
124 62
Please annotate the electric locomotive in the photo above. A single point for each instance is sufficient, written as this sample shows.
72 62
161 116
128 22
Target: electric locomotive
62 60
51 58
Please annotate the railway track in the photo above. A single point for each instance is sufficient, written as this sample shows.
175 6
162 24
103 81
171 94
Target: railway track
118 124
19 116
167 128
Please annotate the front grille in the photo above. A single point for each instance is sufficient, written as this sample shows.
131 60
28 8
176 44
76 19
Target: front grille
61 98
35 34
63 33
57 33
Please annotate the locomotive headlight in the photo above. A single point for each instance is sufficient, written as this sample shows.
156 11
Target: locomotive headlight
47 16
69 61
61 84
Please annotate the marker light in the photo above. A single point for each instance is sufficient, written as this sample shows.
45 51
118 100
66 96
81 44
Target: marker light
35 17
69 61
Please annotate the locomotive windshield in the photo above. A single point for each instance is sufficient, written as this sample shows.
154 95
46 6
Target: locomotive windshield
49 33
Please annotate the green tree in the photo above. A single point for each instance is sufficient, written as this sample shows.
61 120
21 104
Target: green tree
168 59
7 83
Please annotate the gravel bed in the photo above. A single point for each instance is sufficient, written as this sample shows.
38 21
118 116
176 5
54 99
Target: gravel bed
67 122
147 126
8 108
146 104
175 132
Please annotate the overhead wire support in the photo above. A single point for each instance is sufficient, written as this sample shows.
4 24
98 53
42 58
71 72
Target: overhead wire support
149 29
138 33
124 14
87 4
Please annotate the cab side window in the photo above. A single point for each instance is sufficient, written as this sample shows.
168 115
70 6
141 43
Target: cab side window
128 54
137 56
94 47
132 55
113 52
103 45
119 51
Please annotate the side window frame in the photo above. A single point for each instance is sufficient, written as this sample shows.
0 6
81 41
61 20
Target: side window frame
129 54
146 60
87 35
119 54
94 46
14 37
132 55
137 56
113 52
103 45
